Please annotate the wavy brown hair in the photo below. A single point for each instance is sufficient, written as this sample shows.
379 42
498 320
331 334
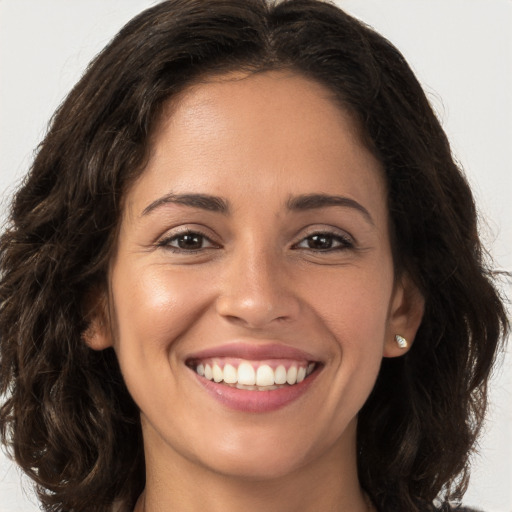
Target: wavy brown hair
67 416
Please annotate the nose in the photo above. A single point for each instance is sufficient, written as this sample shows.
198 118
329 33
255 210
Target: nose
257 290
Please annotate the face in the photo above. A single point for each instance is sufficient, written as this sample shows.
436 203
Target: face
252 292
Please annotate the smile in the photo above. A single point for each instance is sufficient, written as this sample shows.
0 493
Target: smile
253 375
255 378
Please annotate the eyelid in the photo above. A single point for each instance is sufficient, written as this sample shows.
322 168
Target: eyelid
343 243
319 229
164 240
345 240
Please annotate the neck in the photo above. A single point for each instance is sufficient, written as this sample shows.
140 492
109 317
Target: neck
328 483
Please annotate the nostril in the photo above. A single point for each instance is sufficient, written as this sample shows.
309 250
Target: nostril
257 312
255 321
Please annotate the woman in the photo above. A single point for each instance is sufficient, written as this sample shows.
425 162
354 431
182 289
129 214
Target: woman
244 273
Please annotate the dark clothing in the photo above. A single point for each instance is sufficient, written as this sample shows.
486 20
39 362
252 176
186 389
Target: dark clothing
454 509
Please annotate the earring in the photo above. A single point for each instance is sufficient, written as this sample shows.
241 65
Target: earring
400 341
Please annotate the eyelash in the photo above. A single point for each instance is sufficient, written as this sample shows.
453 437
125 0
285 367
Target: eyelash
344 242
166 242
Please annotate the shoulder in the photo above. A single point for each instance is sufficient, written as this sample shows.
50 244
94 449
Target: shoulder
464 509
457 509
448 508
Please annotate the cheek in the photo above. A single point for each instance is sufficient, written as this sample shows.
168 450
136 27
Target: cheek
353 303
353 308
153 307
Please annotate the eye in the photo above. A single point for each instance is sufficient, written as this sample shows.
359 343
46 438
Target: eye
189 241
325 242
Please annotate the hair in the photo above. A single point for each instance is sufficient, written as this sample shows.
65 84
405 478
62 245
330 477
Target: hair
67 416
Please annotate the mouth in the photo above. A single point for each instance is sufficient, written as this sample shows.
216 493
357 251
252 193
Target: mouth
262 375
254 378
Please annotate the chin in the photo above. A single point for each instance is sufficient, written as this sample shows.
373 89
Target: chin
255 467
259 454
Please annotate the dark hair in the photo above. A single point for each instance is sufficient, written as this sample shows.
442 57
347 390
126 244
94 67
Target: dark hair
68 418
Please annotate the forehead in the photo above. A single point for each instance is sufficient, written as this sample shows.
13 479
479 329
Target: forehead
267 130
259 106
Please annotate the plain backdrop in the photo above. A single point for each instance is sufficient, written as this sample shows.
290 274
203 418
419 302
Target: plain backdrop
461 51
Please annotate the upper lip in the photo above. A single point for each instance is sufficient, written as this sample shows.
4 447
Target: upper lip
253 352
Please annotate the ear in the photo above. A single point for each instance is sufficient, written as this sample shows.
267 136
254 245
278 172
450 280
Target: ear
406 313
97 335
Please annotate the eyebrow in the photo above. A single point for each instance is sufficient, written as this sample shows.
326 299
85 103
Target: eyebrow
220 205
202 201
314 201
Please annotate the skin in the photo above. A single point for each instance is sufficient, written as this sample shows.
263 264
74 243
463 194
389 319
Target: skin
256 276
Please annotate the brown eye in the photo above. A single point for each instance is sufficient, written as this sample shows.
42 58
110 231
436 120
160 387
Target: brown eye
191 241
325 242
320 242
186 242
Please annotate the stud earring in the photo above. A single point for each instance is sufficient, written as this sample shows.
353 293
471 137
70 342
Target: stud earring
400 341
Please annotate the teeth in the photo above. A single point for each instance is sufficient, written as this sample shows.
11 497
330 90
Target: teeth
244 386
280 375
230 374
218 374
256 388
291 375
246 374
264 378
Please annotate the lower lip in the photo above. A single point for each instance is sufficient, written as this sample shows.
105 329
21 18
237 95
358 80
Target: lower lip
256 401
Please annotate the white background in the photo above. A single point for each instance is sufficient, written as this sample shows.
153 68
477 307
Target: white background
462 53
